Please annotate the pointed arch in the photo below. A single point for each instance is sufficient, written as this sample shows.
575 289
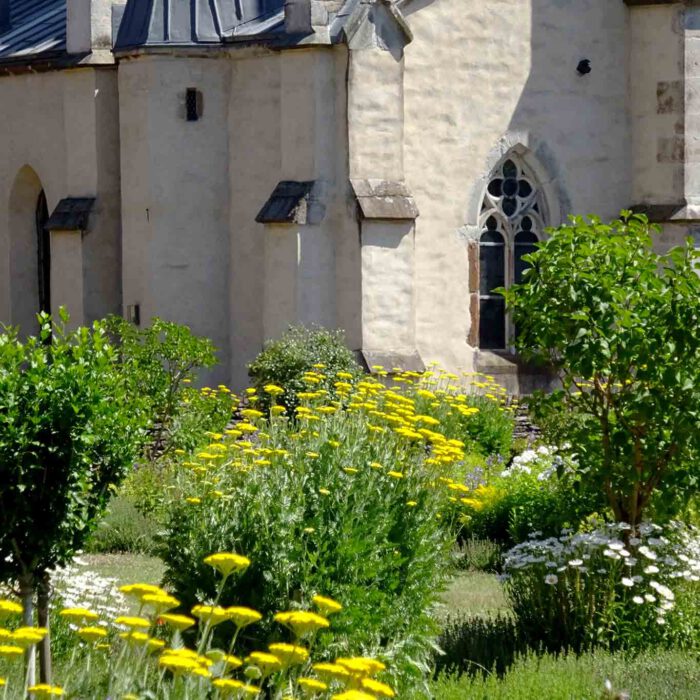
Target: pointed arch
517 200
29 250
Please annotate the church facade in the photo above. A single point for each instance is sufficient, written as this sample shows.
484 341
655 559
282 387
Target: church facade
373 165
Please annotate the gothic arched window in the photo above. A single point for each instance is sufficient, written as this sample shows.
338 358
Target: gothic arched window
511 224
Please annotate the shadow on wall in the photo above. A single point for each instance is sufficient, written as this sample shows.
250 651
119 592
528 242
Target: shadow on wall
576 124
27 214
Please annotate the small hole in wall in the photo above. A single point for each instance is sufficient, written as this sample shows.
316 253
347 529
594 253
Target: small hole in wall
193 104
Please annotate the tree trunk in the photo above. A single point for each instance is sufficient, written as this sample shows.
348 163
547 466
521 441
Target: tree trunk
26 589
43 596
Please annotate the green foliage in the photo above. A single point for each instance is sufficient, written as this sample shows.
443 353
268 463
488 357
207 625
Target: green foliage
159 362
123 529
657 675
621 325
301 350
534 494
69 429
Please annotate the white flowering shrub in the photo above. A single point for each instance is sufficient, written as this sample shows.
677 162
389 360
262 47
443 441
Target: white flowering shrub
611 587
544 463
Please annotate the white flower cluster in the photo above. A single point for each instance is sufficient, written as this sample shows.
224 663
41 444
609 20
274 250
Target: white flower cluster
646 563
77 586
544 462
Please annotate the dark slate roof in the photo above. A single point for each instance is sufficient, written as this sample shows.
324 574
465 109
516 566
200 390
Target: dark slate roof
71 214
197 22
37 30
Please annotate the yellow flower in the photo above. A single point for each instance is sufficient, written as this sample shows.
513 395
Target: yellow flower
327 606
289 654
395 475
178 622
138 590
2 682
135 637
218 656
213 614
227 686
79 614
133 622
28 636
377 688
324 492
311 686
9 607
331 672
44 690
302 622
350 470
241 616
193 500
226 562
361 666
159 602
274 390
10 651
277 410
251 414
177 664
411 504
353 695
92 634
267 663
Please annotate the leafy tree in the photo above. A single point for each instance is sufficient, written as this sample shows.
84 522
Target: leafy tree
621 325
69 429
159 361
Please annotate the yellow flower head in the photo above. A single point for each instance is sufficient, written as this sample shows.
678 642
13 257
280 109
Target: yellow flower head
395 475
228 687
135 637
178 622
92 634
377 688
138 590
289 654
353 695
11 651
242 617
361 666
251 414
331 672
28 636
229 660
267 663
327 606
159 602
277 410
226 562
9 607
273 390
302 622
311 686
44 690
133 622
79 614
213 614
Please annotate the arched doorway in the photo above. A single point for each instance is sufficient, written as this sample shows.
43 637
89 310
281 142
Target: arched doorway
43 240
30 252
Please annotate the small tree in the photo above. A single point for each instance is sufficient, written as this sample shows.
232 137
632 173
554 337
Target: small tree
621 325
68 431
159 362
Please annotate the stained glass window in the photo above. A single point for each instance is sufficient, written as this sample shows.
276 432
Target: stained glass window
511 221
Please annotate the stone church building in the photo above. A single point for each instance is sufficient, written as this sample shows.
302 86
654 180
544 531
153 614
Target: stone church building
373 165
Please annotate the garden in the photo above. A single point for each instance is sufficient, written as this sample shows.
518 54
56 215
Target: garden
346 533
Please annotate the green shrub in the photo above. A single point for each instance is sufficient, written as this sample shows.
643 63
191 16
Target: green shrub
302 360
608 587
160 362
539 492
336 502
650 676
123 529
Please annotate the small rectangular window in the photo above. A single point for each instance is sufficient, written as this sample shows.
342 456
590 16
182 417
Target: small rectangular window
192 102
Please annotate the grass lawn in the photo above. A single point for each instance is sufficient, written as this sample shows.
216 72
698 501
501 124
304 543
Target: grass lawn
474 593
